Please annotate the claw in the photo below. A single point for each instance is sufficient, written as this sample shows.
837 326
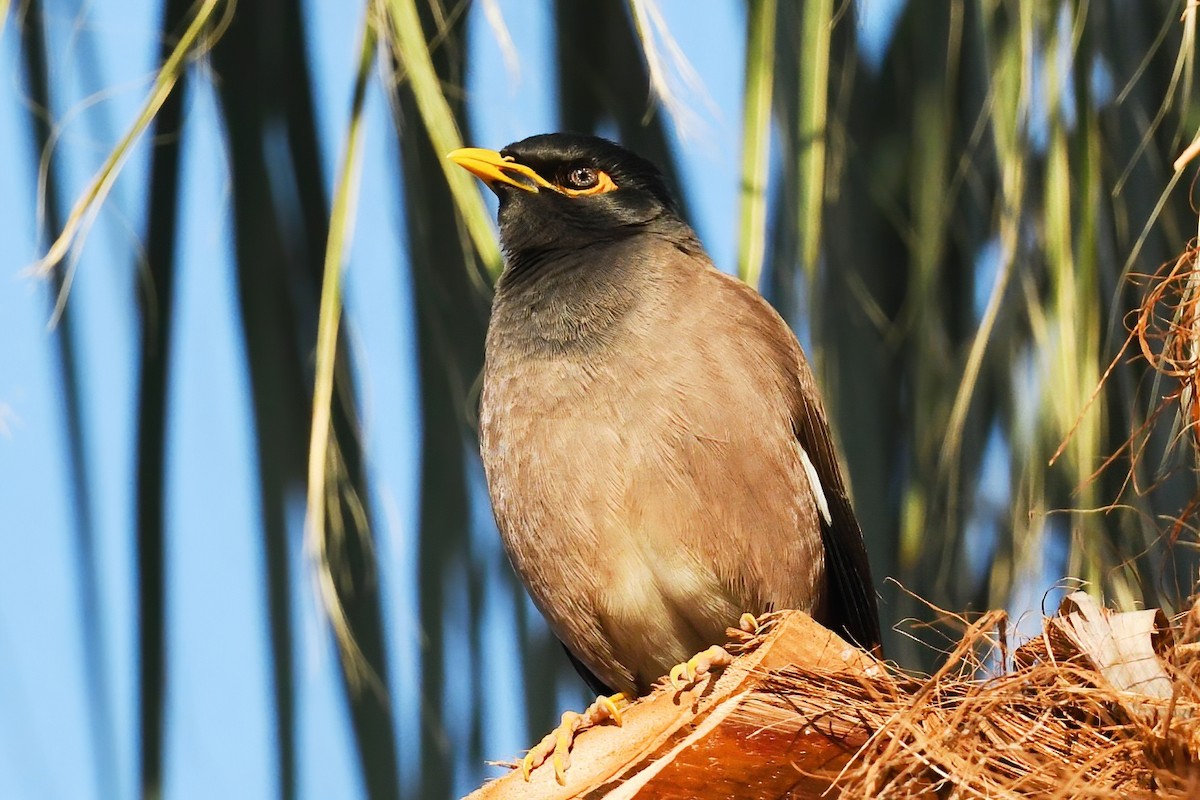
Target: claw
556 745
610 708
675 675
562 745
685 674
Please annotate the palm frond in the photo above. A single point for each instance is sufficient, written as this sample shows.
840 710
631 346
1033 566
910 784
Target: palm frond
756 139
199 36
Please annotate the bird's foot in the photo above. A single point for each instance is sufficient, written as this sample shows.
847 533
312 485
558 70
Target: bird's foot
745 632
556 745
744 637
750 630
748 623
685 674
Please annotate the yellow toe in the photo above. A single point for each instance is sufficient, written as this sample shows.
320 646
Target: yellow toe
562 745
684 675
556 746
560 769
610 707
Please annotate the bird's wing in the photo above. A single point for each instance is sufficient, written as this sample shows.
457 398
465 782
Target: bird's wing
851 608
850 602
592 680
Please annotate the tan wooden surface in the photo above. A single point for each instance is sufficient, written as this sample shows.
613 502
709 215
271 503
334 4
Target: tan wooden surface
710 740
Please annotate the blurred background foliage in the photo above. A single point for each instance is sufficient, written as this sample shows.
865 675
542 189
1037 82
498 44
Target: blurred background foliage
950 213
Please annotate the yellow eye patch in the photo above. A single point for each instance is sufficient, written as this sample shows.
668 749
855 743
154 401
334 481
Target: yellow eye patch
602 183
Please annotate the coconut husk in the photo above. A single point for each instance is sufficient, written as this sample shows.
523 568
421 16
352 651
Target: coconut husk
1099 705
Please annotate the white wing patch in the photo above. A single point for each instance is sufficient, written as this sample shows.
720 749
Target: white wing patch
814 481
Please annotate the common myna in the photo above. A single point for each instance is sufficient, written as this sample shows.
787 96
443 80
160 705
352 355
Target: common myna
657 453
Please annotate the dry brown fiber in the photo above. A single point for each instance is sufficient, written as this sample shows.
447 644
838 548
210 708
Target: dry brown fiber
1049 727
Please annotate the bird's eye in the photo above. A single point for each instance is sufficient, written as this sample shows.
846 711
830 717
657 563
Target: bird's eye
585 180
582 178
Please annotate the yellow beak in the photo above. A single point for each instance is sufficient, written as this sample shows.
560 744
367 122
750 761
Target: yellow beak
492 168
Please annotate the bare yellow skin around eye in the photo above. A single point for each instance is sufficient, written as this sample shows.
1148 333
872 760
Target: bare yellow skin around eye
603 184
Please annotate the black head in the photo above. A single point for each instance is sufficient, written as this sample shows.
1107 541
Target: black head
567 191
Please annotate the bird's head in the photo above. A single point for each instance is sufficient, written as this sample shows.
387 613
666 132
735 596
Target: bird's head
567 191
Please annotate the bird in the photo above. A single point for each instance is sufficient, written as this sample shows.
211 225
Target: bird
657 453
